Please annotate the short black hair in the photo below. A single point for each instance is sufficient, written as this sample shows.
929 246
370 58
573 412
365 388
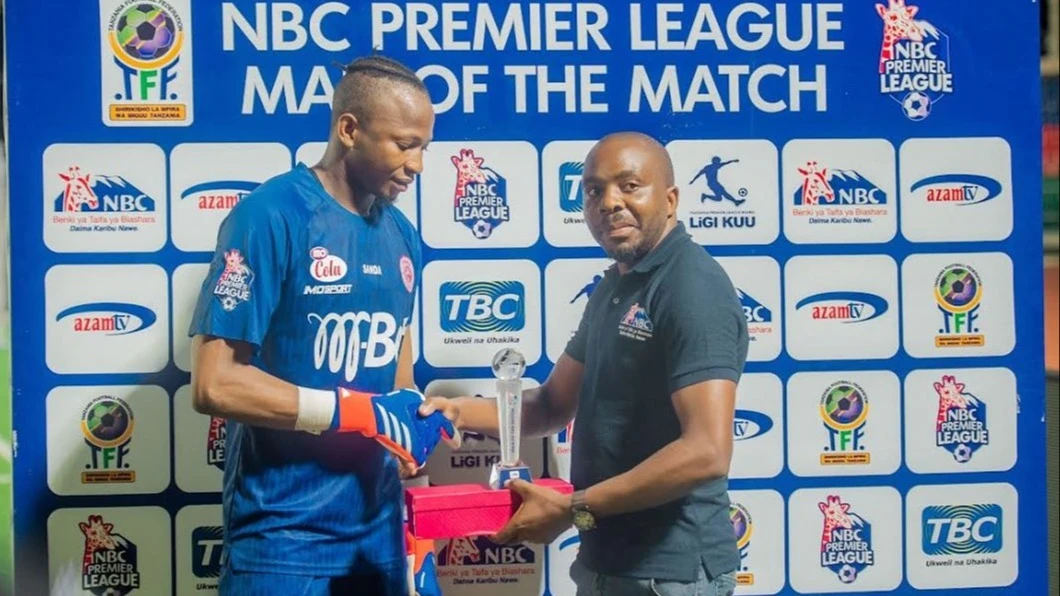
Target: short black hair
364 80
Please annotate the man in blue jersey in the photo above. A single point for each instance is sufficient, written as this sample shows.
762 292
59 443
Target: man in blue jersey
301 341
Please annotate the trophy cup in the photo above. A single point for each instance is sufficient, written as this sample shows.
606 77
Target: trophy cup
508 367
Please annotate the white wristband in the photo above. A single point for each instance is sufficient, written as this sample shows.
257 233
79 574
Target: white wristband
316 409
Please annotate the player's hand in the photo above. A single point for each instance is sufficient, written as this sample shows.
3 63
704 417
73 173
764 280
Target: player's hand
448 408
407 470
393 420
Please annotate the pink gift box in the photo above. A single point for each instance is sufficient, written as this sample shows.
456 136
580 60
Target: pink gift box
458 510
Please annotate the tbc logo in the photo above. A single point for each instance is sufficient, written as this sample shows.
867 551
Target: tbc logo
339 341
742 526
960 426
207 552
844 408
109 566
961 529
914 62
480 200
100 193
479 550
958 291
146 40
570 186
846 540
107 423
961 189
482 306
821 186
845 307
108 318
748 424
218 195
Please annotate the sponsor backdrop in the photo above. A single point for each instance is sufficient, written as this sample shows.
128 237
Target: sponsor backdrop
853 165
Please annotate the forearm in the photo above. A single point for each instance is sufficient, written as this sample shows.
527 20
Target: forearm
669 474
479 414
246 394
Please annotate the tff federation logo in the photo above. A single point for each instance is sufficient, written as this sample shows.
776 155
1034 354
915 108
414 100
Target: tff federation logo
960 426
480 199
107 423
743 527
109 566
846 540
958 293
914 67
844 408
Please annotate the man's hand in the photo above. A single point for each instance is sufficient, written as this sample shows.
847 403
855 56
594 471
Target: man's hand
542 517
450 409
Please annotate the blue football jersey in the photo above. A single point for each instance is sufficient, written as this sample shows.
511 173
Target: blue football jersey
325 296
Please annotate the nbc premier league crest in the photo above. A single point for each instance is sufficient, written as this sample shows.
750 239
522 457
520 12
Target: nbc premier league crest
960 426
846 540
915 68
480 199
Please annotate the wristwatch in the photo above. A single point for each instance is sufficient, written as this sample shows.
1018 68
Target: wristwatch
584 519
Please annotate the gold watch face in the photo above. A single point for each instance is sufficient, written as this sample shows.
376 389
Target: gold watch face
583 520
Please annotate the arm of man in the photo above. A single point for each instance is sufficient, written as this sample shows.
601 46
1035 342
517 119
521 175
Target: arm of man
704 350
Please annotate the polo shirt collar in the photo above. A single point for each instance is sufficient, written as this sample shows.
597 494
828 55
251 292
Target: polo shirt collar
659 255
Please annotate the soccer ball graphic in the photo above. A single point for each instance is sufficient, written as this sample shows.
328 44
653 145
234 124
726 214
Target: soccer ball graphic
481 229
145 31
847 574
916 106
962 453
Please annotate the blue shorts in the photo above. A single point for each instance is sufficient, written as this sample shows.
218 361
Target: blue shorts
384 581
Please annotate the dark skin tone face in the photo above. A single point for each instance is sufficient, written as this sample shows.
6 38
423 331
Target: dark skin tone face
376 158
630 197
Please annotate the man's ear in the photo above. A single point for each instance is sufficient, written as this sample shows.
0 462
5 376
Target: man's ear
347 128
672 199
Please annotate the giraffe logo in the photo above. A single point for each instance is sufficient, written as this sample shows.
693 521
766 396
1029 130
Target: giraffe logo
233 285
216 437
960 425
846 540
85 192
914 62
109 566
480 197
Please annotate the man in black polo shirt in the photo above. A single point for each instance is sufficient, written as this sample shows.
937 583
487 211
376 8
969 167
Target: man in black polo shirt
651 374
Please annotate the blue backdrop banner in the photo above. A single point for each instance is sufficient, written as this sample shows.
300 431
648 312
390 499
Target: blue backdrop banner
873 196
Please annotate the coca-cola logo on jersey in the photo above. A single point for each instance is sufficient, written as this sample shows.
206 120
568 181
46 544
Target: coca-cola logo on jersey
326 267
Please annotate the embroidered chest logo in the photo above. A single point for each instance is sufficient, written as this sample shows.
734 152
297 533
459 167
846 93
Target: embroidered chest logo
635 324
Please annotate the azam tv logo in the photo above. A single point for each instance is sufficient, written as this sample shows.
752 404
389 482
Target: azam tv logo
961 530
914 67
480 199
844 408
146 41
958 293
107 424
743 527
956 189
960 426
107 318
748 424
217 195
482 306
101 203
846 540
843 307
109 566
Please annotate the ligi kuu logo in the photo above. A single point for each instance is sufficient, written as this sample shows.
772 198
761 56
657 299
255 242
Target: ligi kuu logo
718 208
914 66
844 408
961 529
958 293
480 199
846 540
482 306
960 426
743 527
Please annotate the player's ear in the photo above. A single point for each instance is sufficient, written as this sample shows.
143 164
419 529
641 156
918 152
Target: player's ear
672 198
346 129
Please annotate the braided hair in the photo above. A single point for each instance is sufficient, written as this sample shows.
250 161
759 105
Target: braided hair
367 79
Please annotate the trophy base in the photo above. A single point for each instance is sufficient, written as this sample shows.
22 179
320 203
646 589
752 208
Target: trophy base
500 474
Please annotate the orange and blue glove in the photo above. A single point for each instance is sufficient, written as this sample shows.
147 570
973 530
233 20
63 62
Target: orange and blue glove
393 420
420 553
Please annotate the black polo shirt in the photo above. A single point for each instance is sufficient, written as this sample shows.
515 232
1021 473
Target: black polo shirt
672 321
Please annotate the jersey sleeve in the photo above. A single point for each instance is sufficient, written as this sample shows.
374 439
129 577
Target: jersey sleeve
703 330
243 284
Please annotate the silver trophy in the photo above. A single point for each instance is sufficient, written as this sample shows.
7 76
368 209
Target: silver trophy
508 367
